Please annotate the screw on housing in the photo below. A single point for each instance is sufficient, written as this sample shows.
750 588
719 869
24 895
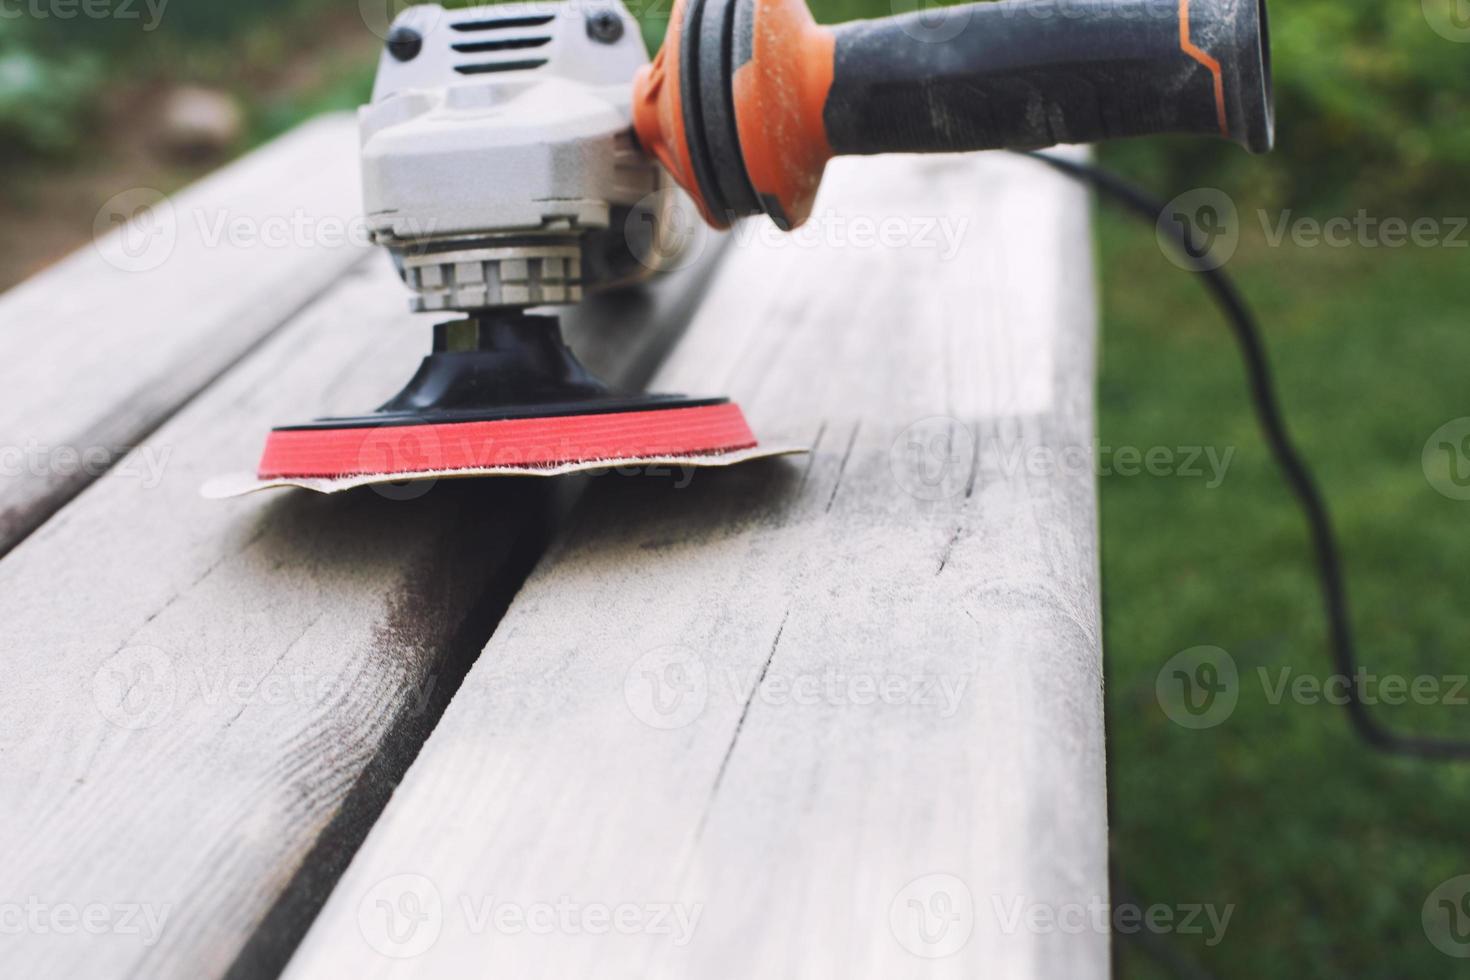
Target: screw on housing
405 43
604 26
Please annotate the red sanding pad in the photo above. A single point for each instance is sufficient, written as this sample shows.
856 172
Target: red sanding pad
534 442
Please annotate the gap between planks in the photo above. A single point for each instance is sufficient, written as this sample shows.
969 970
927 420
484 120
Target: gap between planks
623 741
205 697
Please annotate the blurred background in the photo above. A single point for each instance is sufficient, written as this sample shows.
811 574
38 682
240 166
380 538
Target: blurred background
1326 850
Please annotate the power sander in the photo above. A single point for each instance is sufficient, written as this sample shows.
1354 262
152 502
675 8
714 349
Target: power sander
523 155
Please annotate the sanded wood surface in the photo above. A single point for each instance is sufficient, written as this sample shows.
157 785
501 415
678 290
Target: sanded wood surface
206 702
99 349
833 717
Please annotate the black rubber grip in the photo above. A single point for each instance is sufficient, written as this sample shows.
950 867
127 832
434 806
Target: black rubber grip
1023 74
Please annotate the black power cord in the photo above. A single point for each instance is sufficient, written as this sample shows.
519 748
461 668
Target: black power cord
1294 469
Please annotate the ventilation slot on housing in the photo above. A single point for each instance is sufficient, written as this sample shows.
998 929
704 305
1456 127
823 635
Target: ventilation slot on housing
491 66
507 44
501 44
497 23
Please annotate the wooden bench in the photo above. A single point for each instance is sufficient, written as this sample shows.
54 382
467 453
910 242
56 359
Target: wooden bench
835 715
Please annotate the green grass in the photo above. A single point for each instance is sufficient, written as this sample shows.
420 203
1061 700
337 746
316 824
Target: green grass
1326 849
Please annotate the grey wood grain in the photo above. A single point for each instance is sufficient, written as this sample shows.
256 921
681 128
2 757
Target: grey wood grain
840 718
96 351
207 703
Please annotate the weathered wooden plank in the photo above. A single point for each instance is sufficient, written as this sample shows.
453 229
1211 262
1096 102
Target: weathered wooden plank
206 703
98 350
840 719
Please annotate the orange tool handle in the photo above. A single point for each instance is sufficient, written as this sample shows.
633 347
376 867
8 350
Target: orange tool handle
747 100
